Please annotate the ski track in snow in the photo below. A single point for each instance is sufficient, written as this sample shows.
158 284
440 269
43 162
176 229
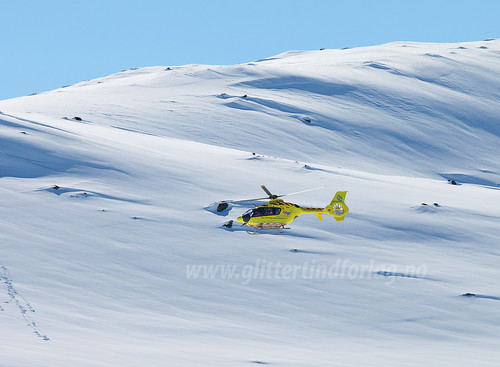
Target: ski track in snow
24 307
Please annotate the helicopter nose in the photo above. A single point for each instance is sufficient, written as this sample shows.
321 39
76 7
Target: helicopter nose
239 219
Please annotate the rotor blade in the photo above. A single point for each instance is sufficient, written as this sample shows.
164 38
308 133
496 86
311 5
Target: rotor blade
300 192
241 201
267 191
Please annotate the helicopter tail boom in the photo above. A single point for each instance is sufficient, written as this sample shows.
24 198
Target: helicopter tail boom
337 207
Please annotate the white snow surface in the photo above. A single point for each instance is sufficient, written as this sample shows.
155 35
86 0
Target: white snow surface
106 260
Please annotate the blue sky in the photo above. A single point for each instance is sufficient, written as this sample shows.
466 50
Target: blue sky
50 43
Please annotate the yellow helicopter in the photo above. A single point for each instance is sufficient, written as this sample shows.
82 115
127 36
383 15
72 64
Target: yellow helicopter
276 214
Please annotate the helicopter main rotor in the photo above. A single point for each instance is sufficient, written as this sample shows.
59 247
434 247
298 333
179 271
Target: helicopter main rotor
223 205
271 196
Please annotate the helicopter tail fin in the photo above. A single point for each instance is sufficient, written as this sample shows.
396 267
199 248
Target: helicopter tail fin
337 207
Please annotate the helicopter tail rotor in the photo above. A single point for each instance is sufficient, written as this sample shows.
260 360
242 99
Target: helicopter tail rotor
337 208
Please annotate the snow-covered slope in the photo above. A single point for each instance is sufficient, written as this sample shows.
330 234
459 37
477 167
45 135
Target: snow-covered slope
397 108
105 231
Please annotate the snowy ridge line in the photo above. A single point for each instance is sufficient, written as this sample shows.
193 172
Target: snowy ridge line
22 304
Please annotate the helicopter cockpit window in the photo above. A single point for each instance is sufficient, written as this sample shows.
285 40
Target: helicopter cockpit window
257 212
265 211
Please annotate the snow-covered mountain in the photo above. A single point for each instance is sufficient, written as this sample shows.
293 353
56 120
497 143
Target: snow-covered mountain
107 230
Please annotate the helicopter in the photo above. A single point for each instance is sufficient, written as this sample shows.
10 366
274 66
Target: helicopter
277 213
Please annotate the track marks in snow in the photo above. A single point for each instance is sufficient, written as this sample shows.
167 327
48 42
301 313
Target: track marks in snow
21 303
